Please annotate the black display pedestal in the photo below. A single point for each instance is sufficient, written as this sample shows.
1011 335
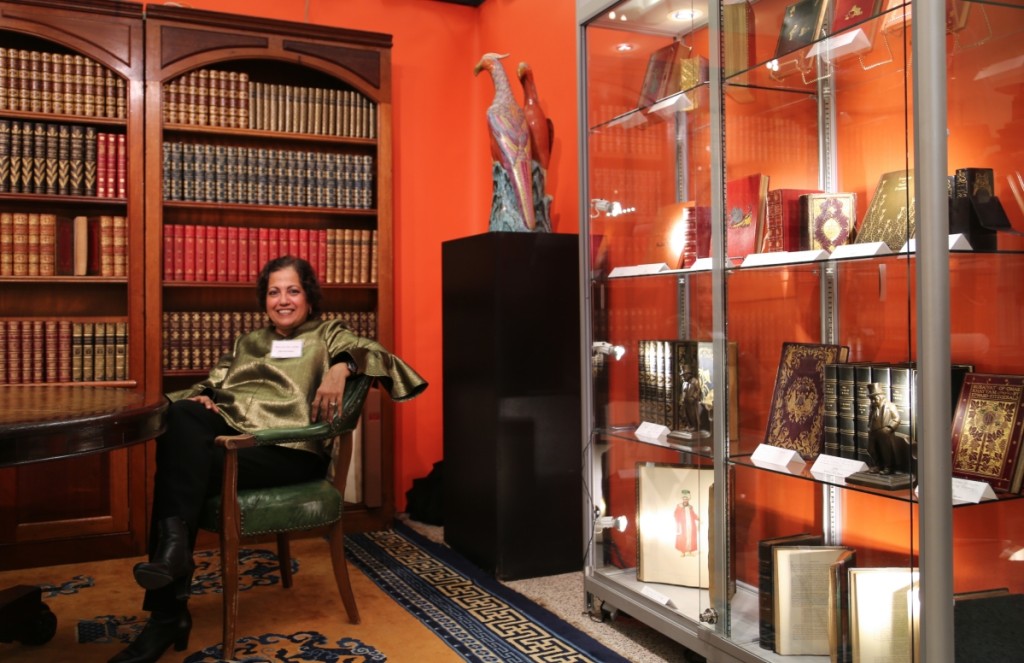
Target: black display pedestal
513 485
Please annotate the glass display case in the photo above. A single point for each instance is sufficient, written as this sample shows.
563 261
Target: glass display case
801 240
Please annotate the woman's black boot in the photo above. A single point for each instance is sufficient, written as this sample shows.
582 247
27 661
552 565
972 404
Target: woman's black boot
162 631
172 558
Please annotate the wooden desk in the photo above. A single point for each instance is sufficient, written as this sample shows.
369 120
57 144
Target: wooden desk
40 423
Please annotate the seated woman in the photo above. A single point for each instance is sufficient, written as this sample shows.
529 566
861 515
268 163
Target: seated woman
286 375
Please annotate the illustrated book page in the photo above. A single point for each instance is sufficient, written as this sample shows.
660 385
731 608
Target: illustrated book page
672 524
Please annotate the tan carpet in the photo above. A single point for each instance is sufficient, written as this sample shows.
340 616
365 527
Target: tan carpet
312 604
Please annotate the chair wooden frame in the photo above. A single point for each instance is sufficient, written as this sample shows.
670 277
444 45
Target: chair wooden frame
231 519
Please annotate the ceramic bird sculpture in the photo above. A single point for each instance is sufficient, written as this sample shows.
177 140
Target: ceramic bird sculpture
542 130
542 136
512 205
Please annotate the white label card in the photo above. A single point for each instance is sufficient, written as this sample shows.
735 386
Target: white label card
766 454
966 491
655 595
286 349
649 431
828 465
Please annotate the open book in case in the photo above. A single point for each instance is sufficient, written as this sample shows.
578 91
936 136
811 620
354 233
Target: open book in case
821 215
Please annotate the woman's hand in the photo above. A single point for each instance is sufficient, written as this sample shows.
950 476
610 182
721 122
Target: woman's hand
206 401
327 401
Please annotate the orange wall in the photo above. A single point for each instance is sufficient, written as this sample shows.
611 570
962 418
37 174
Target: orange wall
442 182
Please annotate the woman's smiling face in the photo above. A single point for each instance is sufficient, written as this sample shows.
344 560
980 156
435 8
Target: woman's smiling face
286 301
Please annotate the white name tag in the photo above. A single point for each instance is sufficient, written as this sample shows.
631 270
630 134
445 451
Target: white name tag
286 349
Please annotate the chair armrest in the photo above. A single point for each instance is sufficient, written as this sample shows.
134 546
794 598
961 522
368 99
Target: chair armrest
356 389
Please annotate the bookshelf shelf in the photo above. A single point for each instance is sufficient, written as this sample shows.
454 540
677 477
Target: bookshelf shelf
270 136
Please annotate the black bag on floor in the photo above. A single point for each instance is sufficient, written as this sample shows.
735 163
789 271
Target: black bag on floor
425 498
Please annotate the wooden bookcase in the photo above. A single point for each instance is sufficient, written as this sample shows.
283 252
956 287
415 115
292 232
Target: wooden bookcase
264 101
151 57
84 75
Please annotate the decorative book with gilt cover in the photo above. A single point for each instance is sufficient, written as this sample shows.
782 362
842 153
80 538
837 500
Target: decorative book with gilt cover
829 219
890 217
746 202
847 13
796 415
987 430
801 25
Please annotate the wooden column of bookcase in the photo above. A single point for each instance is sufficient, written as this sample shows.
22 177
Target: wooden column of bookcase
250 126
72 73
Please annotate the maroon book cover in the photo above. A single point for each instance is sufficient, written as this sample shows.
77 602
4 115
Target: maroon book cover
796 415
987 430
783 221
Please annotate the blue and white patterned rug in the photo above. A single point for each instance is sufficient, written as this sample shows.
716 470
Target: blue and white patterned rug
478 617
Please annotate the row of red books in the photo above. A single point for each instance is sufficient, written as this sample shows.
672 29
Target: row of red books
196 340
54 351
33 244
62 84
197 253
62 160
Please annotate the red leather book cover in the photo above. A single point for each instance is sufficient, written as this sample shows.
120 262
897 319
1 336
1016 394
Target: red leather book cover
201 246
274 244
178 238
987 431
244 256
847 13
222 255
304 249
189 243
102 165
321 253
64 246
232 269
745 208
211 253
120 181
169 232
254 264
263 247
294 243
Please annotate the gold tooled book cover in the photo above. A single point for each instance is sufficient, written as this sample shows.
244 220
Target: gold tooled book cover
987 431
796 415
890 217
828 219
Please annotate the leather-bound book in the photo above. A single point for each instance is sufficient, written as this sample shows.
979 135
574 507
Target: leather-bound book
890 217
830 410
63 160
829 219
745 209
987 431
38 157
5 155
6 244
796 414
76 161
89 164
47 244
766 581
783 222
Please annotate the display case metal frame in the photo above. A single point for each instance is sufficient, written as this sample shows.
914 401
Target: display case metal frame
933 334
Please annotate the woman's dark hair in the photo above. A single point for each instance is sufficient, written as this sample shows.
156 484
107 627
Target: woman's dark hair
307 277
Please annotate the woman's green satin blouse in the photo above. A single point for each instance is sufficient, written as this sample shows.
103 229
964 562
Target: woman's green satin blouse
255 390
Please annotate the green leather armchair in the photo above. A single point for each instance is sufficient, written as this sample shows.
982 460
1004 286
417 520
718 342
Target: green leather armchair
286 508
